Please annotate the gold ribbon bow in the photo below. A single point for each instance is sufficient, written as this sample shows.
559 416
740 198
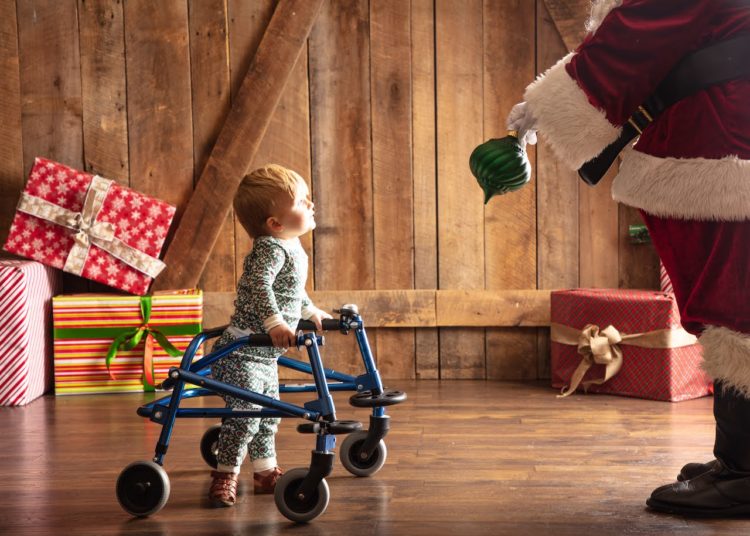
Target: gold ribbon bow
603 347
89 231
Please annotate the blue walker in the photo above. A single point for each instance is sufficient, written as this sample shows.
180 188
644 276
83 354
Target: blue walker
302 493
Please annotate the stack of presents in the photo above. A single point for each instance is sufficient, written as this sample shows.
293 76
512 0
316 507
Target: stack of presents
119 341
626 342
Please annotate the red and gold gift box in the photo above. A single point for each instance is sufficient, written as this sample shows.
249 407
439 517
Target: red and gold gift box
108 343
90 226
624 342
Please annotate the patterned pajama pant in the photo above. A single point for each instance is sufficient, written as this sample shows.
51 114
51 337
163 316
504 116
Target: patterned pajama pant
242 436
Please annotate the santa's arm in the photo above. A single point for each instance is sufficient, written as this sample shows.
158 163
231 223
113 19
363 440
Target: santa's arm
581 102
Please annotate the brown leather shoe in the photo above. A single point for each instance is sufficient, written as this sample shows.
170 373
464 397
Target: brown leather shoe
266 483
720 492
692 470
223 490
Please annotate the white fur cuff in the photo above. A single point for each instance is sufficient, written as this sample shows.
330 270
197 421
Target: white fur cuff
575 129
726 357
686 188
599 11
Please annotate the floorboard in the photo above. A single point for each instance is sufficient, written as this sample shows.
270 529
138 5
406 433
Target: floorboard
464 457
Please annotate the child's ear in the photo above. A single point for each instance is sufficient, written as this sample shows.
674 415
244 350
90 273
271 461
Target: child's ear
274 224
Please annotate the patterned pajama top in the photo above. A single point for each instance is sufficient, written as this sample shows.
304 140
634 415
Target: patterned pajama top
270 291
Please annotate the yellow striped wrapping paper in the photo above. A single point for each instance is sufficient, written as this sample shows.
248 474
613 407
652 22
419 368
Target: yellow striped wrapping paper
86 324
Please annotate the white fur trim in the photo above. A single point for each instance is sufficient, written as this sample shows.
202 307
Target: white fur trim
575 129
686 188
599 10
726 357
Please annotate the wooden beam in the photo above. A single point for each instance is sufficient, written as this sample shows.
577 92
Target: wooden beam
418 308
237 143
424 175
11 147
492 308
380 308
570 18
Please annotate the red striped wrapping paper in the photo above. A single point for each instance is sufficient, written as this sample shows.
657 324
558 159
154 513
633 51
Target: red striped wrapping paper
86 325
26 290
664 282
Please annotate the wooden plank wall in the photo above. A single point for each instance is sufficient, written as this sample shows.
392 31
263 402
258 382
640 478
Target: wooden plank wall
380 115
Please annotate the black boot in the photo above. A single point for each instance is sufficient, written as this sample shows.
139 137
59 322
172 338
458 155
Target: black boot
692 470
723 490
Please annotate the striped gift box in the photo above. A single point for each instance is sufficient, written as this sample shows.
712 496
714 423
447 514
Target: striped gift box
26 290
664 282
88 327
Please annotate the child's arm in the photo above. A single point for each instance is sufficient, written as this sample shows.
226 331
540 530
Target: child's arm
310 312
264 264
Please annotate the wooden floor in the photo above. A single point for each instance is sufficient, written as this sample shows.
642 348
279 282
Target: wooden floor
464 457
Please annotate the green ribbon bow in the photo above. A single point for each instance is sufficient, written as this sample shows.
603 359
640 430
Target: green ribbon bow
130 339
126 338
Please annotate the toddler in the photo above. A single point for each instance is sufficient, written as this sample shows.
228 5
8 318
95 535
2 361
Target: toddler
273 205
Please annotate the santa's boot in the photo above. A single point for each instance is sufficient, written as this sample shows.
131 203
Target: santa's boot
694 469
723 490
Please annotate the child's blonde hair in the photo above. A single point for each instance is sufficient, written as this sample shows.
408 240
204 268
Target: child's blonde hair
260 193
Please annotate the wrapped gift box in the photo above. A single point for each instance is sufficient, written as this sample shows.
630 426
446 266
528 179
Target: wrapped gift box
645 353
91 330
90 226
26 290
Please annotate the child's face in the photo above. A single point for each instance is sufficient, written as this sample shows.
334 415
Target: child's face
297 217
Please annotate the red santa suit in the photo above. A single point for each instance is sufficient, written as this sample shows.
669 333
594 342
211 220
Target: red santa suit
688 173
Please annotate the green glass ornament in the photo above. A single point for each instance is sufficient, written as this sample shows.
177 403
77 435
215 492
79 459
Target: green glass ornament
500 165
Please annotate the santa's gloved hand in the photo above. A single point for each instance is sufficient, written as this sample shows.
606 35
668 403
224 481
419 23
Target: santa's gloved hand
522 121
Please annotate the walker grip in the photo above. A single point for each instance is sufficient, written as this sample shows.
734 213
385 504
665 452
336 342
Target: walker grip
329 324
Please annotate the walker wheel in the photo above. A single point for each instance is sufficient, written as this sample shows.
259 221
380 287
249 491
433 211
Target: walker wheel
296 508
366 399
351 457
210 445
333 427
143 488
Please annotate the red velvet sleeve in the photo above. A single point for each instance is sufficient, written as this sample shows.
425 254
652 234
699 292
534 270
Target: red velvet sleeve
635 46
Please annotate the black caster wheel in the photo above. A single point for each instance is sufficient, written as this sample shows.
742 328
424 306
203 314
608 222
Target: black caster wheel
366 399
143 488
210 445
296 508
352 460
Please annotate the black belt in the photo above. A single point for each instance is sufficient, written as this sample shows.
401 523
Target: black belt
715 64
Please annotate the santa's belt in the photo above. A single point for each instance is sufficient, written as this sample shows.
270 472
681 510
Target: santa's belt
709 66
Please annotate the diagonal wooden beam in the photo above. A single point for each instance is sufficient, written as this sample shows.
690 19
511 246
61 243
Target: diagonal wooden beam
569 17
237 143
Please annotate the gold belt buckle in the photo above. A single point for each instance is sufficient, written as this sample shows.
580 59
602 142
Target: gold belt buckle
645 114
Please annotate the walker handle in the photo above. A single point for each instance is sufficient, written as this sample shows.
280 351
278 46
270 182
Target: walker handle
329 324
258 339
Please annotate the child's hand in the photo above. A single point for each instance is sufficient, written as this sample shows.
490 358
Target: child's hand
318 317
283 336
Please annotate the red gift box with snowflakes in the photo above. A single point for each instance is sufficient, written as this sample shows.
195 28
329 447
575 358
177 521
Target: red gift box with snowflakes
624 342
90 226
